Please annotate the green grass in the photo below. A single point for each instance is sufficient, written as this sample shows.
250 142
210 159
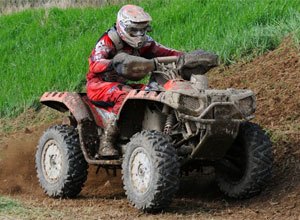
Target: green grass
14 209
43 50
8 204
10 208
10 6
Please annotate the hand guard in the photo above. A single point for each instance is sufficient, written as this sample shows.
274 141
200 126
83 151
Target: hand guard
132 67
196 62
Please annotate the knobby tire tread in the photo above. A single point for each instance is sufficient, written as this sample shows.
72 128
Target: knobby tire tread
71 184
166 167
259 169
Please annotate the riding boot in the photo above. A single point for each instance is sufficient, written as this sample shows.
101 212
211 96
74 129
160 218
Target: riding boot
107 140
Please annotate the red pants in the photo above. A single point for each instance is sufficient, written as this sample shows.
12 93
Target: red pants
111 92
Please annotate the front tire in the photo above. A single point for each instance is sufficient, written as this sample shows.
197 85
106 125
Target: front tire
60 165
246 168
150 171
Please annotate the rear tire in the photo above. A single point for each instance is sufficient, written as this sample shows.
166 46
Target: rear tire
150 171
246 168
60 165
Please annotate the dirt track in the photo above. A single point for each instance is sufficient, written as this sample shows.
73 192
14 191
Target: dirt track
275 78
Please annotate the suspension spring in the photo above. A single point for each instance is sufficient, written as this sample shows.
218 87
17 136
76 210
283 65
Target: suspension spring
169 123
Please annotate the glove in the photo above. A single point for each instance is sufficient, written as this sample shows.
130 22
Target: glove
132 67
196 62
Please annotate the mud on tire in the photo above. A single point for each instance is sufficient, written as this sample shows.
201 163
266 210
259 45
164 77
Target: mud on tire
60 165
150 171
248 163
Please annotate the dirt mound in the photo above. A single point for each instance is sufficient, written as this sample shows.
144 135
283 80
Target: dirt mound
274 77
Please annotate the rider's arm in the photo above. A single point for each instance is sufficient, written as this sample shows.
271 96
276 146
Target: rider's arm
154 49
100 58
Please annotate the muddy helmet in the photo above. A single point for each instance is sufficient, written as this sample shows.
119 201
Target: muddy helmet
132 25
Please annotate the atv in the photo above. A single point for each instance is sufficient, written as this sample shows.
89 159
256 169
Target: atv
177 124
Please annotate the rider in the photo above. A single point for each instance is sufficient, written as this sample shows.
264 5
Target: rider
106 84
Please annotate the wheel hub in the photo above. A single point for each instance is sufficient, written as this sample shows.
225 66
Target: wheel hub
52 161
140 170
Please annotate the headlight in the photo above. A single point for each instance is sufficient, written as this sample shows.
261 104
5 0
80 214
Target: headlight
189 102
191 105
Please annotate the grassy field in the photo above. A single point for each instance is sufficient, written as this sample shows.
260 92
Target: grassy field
47 49
10 6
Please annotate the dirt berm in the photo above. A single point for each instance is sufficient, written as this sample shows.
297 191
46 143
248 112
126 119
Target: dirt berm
274 77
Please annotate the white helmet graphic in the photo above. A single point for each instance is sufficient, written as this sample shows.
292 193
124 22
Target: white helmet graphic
132 25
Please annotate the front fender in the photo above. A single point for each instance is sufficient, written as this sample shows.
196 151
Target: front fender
146 96
132 112
174 99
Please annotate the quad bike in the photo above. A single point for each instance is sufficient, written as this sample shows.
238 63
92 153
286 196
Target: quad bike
176 126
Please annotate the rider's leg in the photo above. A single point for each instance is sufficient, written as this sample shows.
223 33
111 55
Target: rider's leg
108 92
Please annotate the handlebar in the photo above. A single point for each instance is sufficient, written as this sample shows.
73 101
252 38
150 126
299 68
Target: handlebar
166 60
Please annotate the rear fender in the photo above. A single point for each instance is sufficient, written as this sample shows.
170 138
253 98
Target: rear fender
67 101
86 124
87 129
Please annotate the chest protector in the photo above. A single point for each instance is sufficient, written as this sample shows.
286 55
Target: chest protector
115 38
118 43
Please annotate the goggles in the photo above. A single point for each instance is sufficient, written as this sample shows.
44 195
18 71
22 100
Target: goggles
137 32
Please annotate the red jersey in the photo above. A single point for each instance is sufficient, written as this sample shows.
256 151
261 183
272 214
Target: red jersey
101 57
